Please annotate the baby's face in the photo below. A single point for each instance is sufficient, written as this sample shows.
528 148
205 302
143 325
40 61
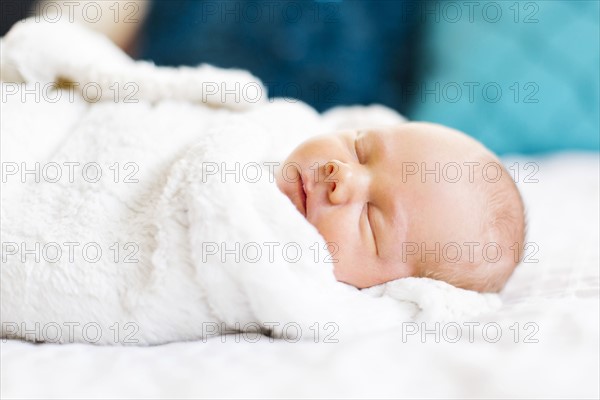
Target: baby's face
361 191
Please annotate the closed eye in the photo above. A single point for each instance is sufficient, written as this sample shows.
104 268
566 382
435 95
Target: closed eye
367 211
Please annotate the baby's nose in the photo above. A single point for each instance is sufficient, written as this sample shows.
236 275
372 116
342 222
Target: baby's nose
345 183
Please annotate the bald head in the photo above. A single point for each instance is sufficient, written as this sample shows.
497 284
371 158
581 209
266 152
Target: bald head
416 199
475 222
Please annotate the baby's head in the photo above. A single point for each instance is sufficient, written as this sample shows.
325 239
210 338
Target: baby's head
417 199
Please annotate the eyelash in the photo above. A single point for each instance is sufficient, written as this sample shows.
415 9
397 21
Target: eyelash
368 206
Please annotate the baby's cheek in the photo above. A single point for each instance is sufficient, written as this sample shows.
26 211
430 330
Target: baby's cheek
335 234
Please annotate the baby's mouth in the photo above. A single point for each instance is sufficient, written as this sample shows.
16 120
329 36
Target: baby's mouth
302 193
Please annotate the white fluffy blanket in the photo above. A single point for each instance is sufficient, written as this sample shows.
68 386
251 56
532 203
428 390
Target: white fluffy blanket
162 213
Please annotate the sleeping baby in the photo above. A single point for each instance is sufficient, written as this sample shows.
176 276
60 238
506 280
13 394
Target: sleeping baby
413 200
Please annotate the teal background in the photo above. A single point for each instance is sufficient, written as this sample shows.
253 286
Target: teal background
557 57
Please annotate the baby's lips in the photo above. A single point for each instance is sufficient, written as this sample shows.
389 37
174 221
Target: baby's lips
309 193
301 195
296 190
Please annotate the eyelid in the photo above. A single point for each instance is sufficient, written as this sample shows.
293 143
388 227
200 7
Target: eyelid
368 207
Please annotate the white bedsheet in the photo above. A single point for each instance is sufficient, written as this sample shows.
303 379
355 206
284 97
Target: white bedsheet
559 296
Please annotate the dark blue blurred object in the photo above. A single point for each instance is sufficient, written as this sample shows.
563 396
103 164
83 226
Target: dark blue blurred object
323 52
12 11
